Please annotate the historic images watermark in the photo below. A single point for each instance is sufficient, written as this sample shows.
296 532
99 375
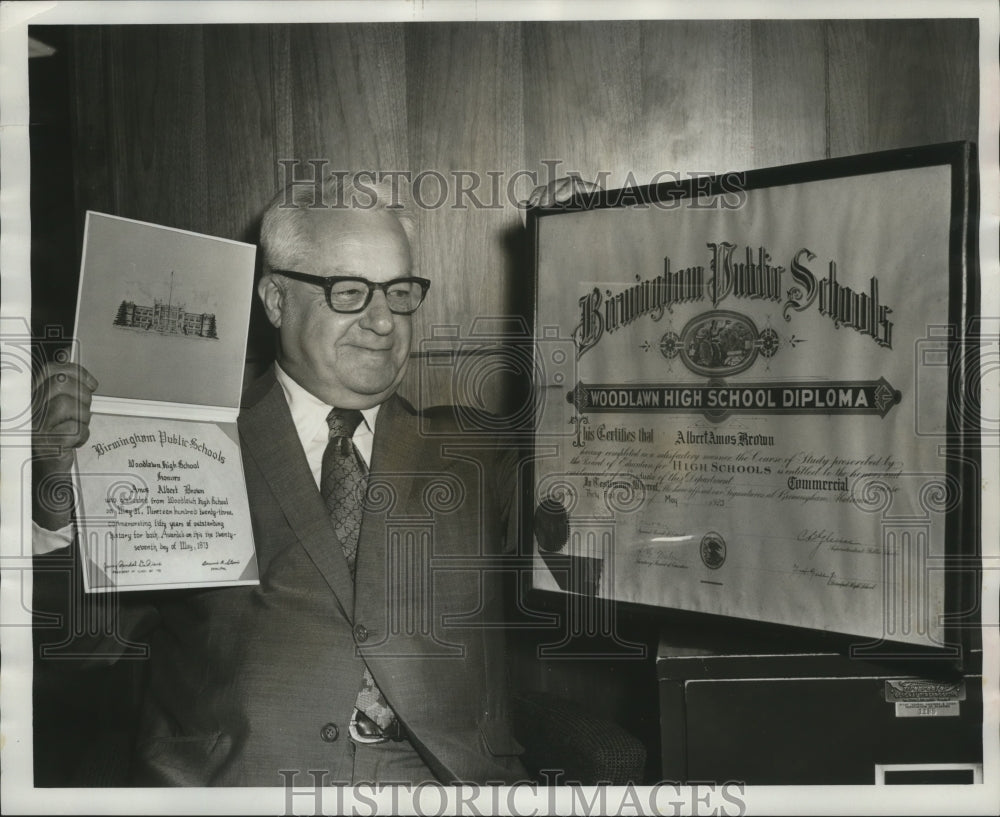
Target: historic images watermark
551 795
904 540
464 190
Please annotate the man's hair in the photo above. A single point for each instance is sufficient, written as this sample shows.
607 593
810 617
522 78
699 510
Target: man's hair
284 235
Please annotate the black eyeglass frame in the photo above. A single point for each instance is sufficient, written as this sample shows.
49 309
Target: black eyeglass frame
327 282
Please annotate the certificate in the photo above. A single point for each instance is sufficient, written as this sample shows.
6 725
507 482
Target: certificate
769 416
161 323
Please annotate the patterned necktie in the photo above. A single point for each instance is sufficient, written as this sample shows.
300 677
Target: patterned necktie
342 483
343 480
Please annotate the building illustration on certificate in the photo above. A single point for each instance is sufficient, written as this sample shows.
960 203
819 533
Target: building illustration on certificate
166 317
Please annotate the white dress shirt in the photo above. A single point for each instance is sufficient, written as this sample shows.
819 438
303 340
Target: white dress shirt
309 416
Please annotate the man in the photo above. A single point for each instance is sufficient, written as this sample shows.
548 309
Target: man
365 651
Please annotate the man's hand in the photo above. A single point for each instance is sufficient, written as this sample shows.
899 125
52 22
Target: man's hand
60 403
558 191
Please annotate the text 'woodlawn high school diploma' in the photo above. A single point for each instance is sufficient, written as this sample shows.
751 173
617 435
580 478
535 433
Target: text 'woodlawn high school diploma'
161 322
759 423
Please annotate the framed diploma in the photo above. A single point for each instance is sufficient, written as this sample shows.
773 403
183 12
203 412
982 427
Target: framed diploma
161 323
772 411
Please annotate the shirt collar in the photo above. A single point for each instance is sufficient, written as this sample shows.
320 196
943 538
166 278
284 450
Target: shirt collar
309 412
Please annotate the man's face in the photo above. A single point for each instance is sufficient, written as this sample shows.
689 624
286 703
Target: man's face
347 360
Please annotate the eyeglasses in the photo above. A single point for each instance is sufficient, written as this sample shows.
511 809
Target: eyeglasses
350 294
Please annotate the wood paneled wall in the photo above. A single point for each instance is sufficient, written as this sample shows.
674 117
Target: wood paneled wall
185 125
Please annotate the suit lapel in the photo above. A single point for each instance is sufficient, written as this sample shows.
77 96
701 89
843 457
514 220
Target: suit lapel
396 459
270 438
397 447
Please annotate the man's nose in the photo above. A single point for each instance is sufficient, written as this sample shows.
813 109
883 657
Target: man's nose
377 316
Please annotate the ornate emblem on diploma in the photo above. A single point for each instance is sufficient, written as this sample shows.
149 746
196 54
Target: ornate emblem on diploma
719 343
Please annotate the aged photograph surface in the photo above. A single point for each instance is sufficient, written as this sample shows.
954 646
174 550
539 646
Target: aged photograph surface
614 410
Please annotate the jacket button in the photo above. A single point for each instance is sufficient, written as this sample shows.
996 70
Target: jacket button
329 732
361 633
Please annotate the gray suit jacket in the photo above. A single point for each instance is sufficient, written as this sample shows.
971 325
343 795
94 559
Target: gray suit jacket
245 682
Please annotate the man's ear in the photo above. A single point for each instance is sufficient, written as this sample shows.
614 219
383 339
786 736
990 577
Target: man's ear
272 295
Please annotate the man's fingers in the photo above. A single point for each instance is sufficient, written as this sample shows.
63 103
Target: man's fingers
534 197
64 419
64 376
61 406
560 191
583 186
74 370
61 389
573 185
63 379
62 439
63 411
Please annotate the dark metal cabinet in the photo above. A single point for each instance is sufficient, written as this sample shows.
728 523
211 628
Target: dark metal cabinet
768 718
